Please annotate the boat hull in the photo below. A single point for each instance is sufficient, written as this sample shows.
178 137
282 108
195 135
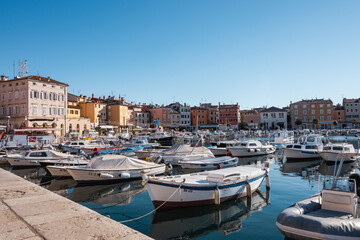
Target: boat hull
217 151
57 171
243 152
188 196
20 162
332 157
301 154
93 175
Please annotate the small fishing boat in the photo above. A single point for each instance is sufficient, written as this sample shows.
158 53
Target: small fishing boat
204 188
332 151
220 148
251 148
333 213
209 163
114 168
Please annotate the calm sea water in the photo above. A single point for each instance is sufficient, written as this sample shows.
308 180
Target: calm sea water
241 219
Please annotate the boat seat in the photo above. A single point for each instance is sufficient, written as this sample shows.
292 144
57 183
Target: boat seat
339 201
323 213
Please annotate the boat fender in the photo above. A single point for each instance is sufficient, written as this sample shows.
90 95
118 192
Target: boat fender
249 150
218 166
145 179
124 175
217 197
106 175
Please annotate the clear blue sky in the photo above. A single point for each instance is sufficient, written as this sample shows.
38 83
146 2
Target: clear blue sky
252 52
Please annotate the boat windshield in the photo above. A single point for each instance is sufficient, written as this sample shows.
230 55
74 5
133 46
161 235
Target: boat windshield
25 153
327 148
339 184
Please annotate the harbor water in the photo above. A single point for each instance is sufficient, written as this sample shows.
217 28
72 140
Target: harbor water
243 218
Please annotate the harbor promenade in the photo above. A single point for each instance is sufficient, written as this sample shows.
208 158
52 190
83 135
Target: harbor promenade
28 211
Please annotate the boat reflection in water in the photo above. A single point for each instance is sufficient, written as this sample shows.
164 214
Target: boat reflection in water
327 168
200 221
107 195
299 167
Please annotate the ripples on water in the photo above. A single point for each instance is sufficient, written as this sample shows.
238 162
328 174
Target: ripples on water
290 182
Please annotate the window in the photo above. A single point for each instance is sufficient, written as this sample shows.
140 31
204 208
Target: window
16 109
329 110
296 112
329 105
329 118
16 94
321 105
312 111
313 106
23 108
23 94
44 109
9 110
295 106
304 106
10 95
304 112
34 109
3 111
321 111
321 118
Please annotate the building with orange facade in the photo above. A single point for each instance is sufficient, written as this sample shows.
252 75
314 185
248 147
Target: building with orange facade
199 116
306 111
251 118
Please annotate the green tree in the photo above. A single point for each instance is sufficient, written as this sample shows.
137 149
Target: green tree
315 122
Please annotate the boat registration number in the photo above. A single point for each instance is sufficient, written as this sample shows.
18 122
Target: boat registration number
187 190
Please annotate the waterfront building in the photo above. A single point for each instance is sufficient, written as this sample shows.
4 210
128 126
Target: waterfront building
304 113
117 115
213 113
198 116
273 118
229 115
33 101
139 117
94 109
161 113
352 109
251 118
75 122
184 111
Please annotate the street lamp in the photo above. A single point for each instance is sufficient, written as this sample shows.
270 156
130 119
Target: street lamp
8 124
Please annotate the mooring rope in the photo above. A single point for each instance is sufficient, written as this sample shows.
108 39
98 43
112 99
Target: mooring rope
134 219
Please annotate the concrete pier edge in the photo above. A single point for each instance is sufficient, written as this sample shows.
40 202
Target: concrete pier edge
29 211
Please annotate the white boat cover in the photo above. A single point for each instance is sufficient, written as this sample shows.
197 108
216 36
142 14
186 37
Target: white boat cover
183 149
60 154
119 162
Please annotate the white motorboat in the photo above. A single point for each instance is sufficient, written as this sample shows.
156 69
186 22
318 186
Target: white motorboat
251 148
141 141
333 151
307 147
180 151
221 220
210 163
114 168
333 213
204 188
220 149
84 145
40 157
282 139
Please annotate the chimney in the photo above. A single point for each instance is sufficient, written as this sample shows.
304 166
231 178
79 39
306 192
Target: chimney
92 95
4 78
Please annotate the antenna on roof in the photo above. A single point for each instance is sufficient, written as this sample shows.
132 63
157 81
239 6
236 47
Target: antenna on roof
14 68
23 70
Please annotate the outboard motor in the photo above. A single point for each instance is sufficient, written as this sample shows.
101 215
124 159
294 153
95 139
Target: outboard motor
356 177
